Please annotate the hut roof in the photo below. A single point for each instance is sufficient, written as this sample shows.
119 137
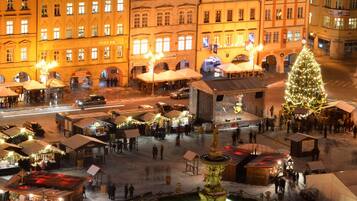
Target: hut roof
36 146
33 85
6 92
78 141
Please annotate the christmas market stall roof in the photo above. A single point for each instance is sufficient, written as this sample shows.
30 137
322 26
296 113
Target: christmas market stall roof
266 160
238 68
33 85
11 84
79 141
341 105
55 83
147 77
87 122
14 131
173 114
169 75
258 148
189 73
6 92
97 115
230 86
30 147
147 117
298 137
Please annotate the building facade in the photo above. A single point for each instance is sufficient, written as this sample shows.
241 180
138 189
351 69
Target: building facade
18 40
163 26
333 27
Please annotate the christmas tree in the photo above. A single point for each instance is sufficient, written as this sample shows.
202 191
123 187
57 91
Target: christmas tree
305 88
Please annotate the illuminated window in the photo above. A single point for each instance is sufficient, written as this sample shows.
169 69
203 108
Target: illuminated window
326 21
56 33
24 26
279 14
81 8
23 54
81 31
140 46
106 52
81 54
310 17
120 5
205 41
158 45
181 43
95 30
120 29
69 55
290 36
136 47
43 34
24 5
95 7
119 51
352 23
216 40
107 29
69 8
108 6
69 32
184 43
188 42
297 36
240 40
94 53
166 47
338 23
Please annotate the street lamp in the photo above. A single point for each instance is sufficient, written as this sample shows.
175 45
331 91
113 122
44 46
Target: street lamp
252 50
152 59
45 69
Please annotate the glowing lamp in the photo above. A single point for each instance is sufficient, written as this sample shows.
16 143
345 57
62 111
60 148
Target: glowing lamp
260 47
30 137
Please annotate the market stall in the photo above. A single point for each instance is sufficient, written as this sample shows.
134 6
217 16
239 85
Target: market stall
34 92
126 122
17 87
42 155
244 69
16 134
87 150
8 98
302 145
189 74
93 127
55 90
9 155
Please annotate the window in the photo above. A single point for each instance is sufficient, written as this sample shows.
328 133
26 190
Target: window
159 19
95 30
81 31
56 33
43 55
9 27
108 6
352 23
69 32
338 23
144 20
252 14
69 55
81 54
218 15
120 29
289 36
181 17
267 14
189 17
119 51
205 41
44 11
95 7
216 40
120 5
106 52
289 13
10 5
23 54
310 17
167 18
229 15
276 37
339 4
10 55
57 10
228 40
136 20
241 14
94 53
278 14
206 17
43 34
107 29
240 40
158 45
69 9
24 26
353 4
24 5
140 46
166 47
328 3
162 45
267 37
300 13
297 36
185 43
326 21
56 55
81 8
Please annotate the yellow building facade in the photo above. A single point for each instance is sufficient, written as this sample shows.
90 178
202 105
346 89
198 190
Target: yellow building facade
162 26
333 28
18 40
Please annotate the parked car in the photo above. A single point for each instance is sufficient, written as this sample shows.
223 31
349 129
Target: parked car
35 127
181 93
91 100
145 107
180 107
164 107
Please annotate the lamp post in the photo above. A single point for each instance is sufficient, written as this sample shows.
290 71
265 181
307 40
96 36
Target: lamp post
45 69
252 50
152 59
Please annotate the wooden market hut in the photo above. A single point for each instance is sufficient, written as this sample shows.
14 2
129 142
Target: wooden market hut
192 161
87 149
132 135
46 186
8 98
9 155
55 89
17 87
302 145
17 135
316 167
93 127
34 91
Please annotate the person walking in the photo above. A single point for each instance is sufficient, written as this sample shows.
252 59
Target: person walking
282 185
250 136
255 137
162 152
234 139
84 192
238 133
354 131
109 191
154 152
126 191
131 191
276 183
113 192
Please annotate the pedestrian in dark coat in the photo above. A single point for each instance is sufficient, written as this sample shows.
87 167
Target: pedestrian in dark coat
113 192
255 137
154 152
282 185
354 131
260 127
126 191
109 191
238 133
162 152
131 191
276 183
250 137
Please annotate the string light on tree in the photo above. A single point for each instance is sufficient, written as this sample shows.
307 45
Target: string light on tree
305 88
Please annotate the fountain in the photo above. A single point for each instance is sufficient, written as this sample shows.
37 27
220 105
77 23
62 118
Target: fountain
215 162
